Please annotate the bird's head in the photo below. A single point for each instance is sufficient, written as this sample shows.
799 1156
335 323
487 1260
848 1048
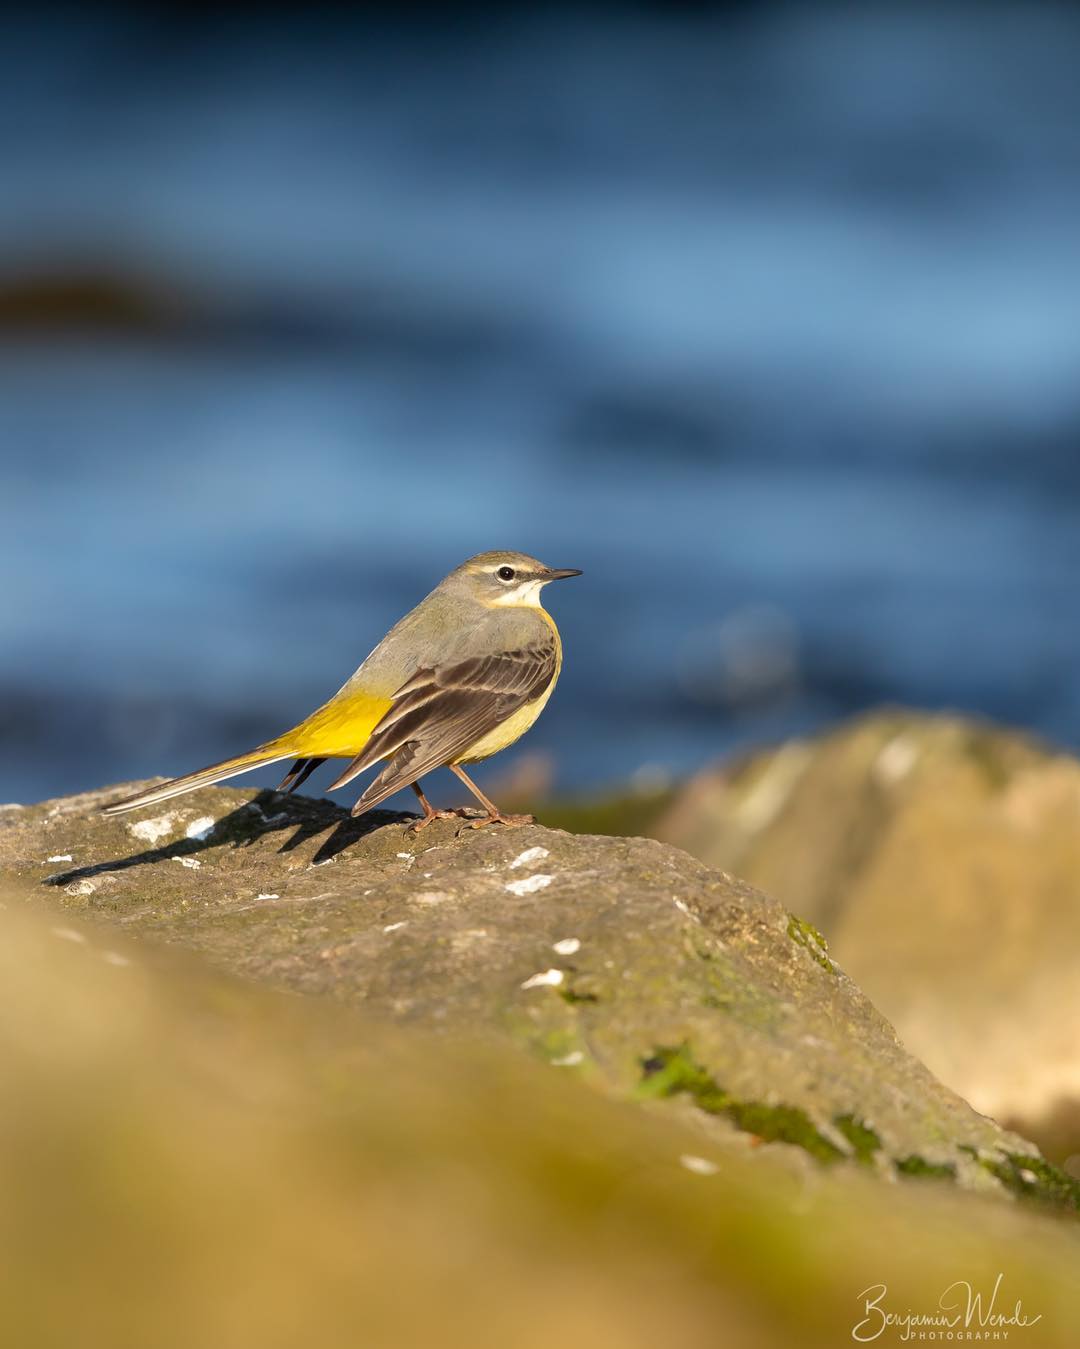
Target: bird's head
506 578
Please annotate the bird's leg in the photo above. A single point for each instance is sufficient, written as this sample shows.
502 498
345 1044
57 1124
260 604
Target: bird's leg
494 814
430 813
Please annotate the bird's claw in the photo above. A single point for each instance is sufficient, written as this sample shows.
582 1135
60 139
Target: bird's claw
511 821
422 823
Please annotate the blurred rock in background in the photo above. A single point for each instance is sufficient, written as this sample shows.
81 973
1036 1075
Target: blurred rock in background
941 858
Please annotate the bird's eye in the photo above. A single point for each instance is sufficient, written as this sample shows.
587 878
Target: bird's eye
506 573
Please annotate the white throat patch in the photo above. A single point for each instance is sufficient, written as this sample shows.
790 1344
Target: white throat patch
526 595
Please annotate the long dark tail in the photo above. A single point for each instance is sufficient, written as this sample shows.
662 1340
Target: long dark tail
204 777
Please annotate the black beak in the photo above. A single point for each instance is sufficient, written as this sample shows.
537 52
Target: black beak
561 573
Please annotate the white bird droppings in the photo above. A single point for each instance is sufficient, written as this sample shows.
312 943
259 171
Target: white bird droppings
393 927
570 1060
191 862
528 885
68 934
528 856
567 947
545 979
60 857
151 830
201 828
701 1166
405 855
267 896
80 888
114 958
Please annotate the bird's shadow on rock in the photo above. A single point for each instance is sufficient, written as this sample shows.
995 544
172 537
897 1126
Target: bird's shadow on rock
268 813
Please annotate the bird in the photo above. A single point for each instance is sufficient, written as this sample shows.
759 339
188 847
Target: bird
459 678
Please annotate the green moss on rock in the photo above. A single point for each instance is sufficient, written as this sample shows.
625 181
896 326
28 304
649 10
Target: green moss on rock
807 935
1031 1177
864 1141
575 996
920 1169
673 1071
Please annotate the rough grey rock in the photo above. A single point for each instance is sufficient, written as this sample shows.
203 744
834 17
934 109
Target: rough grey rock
623 961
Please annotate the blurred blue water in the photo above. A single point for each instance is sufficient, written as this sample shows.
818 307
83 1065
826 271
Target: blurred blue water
767 319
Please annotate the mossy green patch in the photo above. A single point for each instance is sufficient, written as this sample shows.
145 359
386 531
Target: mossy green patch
574 996
919 1168
672 1071
864 1141
1032 1178
799 930
786 1124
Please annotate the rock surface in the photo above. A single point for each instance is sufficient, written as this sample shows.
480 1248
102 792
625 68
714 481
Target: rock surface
941 857
188 1159
622 961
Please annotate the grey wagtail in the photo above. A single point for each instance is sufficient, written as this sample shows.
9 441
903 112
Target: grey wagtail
460 677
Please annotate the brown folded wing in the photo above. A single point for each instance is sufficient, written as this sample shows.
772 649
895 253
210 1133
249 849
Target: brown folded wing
439 713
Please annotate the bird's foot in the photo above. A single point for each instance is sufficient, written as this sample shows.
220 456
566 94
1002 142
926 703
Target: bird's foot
425 820
512 821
